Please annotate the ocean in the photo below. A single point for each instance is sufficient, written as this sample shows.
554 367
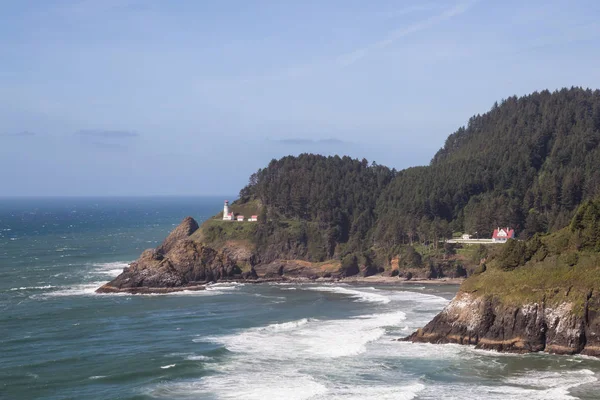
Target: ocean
60 340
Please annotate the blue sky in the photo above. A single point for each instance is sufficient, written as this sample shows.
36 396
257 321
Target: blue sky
144 97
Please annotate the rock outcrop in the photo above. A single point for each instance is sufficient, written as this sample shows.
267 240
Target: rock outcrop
182 263
487 323
178 263
183 230
186 260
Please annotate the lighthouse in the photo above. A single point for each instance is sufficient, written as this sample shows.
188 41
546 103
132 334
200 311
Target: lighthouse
227 215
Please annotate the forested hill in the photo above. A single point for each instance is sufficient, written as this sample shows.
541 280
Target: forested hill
338 195
527 163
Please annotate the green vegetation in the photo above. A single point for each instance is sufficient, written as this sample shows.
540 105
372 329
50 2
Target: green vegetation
527 163
217 232
547 268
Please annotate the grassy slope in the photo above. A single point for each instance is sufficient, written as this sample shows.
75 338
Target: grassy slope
217 232
559 271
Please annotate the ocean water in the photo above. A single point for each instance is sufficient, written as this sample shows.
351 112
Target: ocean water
60 340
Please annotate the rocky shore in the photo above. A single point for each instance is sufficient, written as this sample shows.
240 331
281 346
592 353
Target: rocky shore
182 262
558 327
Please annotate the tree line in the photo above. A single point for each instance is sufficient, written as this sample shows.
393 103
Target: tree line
528 163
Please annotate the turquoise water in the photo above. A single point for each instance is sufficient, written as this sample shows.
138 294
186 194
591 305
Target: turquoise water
59 340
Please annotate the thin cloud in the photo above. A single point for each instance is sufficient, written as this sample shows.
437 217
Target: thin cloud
350 58
20 134
107 134
109 146
302 141
354 56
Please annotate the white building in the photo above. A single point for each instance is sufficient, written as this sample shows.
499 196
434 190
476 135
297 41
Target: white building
240 218
253 218
501 235
227 215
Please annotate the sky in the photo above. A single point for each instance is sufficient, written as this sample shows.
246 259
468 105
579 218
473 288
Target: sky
148 97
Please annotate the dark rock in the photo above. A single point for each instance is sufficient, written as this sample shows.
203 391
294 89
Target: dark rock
183 230
177 262
489 324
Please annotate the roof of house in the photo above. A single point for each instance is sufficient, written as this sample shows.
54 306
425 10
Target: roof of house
508 233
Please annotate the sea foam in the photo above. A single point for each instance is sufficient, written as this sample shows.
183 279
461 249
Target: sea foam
358 295
311 338
112 269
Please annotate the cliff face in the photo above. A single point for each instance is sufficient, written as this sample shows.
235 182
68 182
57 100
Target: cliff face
176 264
487 323
538 295
183 262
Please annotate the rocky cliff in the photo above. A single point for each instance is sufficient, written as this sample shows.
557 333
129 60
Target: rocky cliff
184 261
178 263
538 295
489 324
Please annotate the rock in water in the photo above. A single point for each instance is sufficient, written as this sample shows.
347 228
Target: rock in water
178 263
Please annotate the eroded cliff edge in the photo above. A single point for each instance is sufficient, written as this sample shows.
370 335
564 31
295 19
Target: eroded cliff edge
185 262
178 263
489 324
538 295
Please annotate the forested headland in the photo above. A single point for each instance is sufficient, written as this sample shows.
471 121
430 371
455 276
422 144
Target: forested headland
527 163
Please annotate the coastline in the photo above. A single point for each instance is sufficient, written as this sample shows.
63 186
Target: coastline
372 280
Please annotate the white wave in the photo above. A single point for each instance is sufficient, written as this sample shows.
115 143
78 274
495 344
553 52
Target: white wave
198 358
226 285
89 289
553 384
421 351
97 377
274 299
248 385
531 385
112 269
407 392
284 326
420 298
190 293
86 289
359 295
32 288
218 287
292 385
311 338
168 366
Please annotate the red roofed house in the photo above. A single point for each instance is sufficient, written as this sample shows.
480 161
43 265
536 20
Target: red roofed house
501 235
253 218
240 218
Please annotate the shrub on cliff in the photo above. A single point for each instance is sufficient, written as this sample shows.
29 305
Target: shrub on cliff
350 265
409 258
586 225
513 255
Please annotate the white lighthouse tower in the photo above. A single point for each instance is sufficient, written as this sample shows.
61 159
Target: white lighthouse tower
227 215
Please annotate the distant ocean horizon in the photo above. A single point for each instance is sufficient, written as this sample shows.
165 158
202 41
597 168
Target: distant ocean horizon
60 340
